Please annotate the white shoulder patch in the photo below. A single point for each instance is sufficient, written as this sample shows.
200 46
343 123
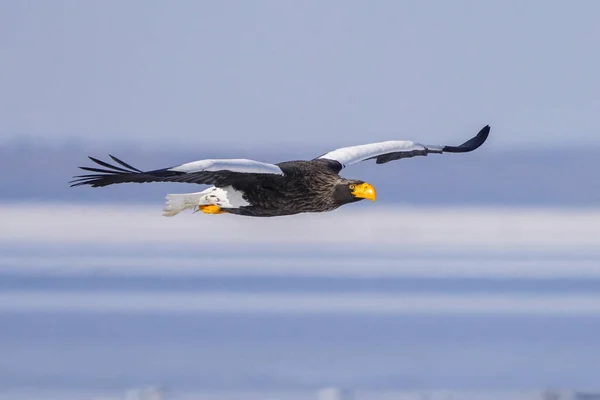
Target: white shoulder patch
353 154
234 165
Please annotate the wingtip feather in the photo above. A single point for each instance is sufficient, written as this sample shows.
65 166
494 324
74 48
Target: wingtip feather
123 163
471 144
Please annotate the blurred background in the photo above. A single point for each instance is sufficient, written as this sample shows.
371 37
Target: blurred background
473 276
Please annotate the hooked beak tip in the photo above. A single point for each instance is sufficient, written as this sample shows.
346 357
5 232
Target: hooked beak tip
365 191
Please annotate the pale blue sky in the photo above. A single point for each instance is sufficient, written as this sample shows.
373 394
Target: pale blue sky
299 72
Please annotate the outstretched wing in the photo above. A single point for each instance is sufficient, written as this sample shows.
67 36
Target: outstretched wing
384 152
210 172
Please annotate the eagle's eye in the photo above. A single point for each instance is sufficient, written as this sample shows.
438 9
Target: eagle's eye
352 187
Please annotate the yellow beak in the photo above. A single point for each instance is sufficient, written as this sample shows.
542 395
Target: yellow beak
365 191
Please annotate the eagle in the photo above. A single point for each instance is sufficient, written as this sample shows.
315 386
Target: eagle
257 189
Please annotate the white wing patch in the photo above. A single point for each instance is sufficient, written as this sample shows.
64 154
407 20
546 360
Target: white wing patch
353 154
234 165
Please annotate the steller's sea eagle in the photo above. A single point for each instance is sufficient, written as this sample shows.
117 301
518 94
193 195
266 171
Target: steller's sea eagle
252 188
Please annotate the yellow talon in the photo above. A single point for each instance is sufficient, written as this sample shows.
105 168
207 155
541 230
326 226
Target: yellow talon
211 209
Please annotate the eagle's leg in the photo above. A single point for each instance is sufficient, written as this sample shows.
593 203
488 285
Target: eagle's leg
211 209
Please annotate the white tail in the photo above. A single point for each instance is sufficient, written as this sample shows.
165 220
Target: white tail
175 203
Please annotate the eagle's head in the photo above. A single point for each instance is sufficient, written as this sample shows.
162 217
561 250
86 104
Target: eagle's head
349 191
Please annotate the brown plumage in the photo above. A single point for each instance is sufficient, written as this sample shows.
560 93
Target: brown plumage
251 188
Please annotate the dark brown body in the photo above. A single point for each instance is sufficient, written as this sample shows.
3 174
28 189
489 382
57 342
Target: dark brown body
305 187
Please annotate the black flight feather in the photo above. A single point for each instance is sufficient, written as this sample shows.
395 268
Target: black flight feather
107 165
124 164
470 144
